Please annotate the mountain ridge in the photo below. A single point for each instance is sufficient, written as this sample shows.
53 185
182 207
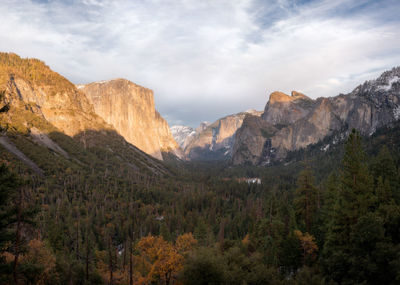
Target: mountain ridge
46 110
212 141
292 122
130 108
371 105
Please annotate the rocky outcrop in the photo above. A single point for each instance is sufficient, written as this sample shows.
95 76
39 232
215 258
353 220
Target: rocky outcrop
215 141
50 96
319 123
182 135
283 109
301 121
252 139
130 109
44 107
166 140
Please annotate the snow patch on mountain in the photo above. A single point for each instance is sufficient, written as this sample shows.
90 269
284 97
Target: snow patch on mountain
103 81
388 86
182 134
80 86
325 148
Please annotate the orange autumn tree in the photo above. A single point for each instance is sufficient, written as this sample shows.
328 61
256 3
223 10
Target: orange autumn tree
41 261
164 259
185 243
308 245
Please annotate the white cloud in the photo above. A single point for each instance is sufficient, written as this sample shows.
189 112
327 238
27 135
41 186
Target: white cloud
206 59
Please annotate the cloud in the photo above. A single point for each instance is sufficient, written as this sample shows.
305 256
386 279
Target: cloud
206 59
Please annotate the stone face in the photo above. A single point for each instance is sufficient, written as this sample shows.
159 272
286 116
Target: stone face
215 141
251 139
43 106
182 135
130 109
321 122
166 140
283 109
68 110
301 121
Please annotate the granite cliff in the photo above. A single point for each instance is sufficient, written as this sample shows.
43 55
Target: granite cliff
300 121
130 109
182 135
211 141
283 109
29 84
46 110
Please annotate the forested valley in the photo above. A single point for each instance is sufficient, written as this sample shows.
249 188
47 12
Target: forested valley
87 207
328 219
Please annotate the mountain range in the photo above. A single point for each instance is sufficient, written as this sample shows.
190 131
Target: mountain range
50 117
119 117
130 109
289 123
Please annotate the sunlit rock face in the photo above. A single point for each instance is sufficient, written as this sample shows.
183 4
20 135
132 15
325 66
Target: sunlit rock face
215 141
283 109
251 139
300 121
47 94
45 108
130 109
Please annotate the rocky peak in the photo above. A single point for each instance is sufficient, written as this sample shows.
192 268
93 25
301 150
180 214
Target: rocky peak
297 95
32 85
182 135
130 109
387 83
202 126
254 112
283 109
301 121
215 141
279 97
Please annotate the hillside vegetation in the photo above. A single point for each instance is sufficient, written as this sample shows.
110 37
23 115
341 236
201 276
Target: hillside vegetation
103 212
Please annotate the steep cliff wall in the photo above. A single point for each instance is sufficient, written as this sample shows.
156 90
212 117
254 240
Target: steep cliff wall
251 139
30 85
44 107
130 109
215 141
182 135
301 121
283 109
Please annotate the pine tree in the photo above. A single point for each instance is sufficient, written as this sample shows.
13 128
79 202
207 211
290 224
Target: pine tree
355 199
8 185
306 200
384 171
201 232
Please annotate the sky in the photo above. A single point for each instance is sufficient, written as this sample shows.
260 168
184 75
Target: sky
205 59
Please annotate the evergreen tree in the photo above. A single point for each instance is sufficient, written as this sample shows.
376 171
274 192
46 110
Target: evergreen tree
201 232
306 199
385 173
8 185
357 248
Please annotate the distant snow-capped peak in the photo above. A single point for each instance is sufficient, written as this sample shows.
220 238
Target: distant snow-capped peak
181 134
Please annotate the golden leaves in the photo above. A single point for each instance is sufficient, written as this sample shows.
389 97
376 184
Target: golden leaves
308 244
165 259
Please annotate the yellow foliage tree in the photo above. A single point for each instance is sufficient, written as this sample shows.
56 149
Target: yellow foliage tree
308 245
39 254
184 243
165 259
